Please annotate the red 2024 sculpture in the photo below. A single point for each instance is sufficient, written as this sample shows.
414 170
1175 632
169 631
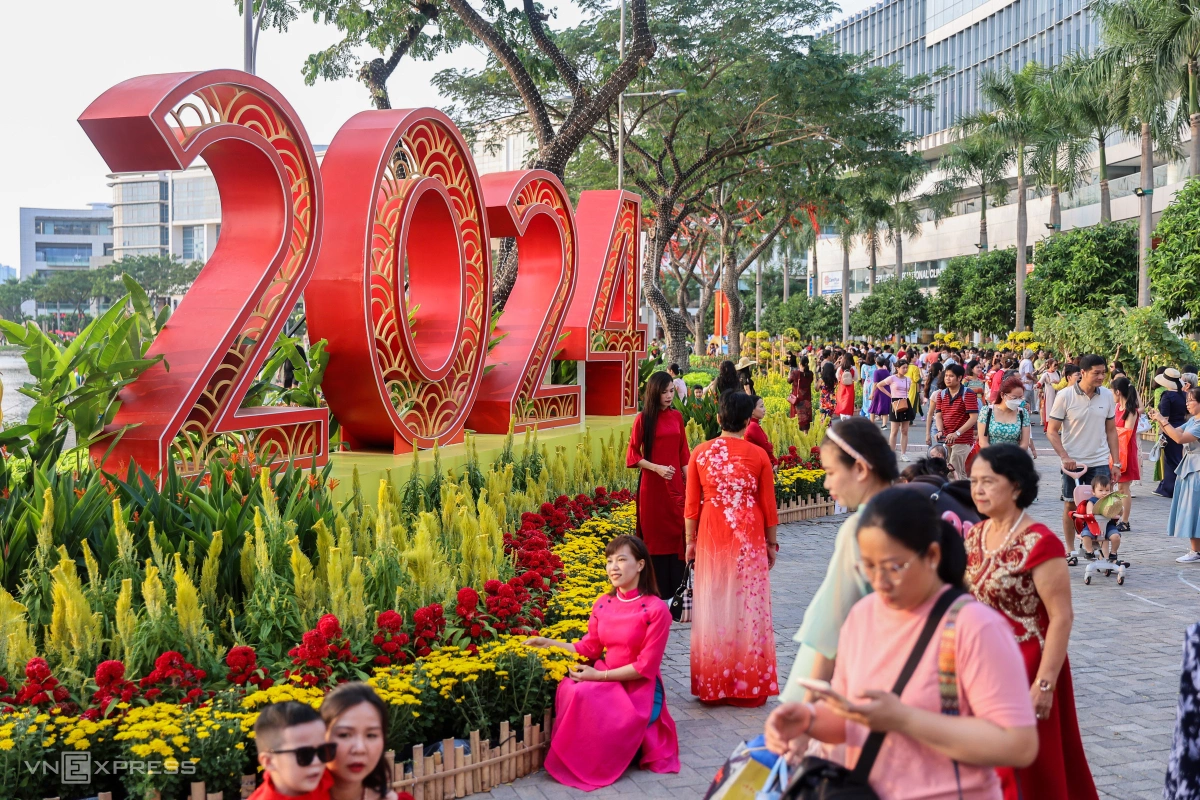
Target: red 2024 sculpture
397 267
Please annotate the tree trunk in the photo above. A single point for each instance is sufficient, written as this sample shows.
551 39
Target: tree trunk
873 272
983 240
899 257
729 284
698 329
785 276
1105 197
1055 209
757 294
1147 217
1193 119
814 280
1022 235
846 291
674 325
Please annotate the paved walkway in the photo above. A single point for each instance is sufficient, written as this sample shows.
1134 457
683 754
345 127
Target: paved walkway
1125 655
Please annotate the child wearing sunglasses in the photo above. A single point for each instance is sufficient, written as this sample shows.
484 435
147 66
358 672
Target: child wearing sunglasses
293 753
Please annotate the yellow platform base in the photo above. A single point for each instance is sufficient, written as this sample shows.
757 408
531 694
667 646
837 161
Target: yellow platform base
374 466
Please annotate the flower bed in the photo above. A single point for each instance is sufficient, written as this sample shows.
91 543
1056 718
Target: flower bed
137 646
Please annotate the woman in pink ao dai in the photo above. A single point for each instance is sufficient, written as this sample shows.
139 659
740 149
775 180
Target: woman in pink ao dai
611 713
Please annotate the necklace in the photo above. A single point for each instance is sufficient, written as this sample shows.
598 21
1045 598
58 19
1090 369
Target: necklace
627 599
983 539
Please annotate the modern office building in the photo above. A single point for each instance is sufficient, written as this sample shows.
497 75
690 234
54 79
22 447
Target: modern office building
7 273
954 42
55 239
166 213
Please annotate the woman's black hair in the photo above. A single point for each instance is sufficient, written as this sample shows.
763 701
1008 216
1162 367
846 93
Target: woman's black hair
881 361
1124 387
1014 463
791 360
934 466
656 384
746 379
734 410
647 584
342 699
911 519
1194 393
869 442
804 362
727 378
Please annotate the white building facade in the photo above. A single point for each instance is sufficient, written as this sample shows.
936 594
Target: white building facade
955 42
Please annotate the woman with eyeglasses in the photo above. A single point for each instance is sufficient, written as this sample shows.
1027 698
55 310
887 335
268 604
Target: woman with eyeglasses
1018 567
938 742
356 722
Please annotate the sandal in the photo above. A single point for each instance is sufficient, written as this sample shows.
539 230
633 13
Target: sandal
1123 527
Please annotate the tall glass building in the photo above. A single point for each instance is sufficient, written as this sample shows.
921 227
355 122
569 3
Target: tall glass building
955 41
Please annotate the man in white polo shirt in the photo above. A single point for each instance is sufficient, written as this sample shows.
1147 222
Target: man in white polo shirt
1083 431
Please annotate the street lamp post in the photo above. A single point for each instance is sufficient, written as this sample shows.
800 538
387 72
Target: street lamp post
248 35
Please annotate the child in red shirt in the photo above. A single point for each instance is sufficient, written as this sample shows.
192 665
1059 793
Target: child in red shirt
293 752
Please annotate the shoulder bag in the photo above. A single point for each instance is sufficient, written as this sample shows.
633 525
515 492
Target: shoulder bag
820 779
681 602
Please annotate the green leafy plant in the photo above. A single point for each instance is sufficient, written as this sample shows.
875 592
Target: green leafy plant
1084 268
1175 263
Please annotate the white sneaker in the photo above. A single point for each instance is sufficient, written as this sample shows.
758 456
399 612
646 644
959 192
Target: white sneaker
905 458
1190 557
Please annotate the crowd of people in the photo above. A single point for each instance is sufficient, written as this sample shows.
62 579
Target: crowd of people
947 543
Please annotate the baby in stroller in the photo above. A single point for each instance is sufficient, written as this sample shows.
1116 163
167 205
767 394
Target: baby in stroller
1098 531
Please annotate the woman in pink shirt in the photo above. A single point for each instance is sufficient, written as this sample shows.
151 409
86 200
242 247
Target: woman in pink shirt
935 748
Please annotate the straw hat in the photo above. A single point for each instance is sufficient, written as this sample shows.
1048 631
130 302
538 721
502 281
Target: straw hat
746 361
1169 379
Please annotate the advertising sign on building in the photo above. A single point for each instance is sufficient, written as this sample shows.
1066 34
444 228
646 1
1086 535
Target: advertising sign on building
831 283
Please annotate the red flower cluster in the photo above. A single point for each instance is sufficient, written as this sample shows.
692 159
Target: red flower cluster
321 651
391 640
174 679
42 689
428 624
245 669
510 605
472 627
111 688
792 459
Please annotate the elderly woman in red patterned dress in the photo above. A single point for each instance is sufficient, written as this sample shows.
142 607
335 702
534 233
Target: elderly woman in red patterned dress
1018 567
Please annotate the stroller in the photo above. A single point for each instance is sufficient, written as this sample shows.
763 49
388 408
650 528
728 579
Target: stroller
1088 522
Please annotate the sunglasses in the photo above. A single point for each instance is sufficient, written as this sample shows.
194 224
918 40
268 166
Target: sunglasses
305 755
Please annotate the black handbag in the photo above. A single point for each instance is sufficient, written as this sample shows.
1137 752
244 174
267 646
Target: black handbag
681 602
821 779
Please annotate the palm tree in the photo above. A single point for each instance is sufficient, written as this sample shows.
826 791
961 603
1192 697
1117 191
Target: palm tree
1060 153
1013 121
1175 40
896 188
1094 102
980 163
1144 89
847 227
869 214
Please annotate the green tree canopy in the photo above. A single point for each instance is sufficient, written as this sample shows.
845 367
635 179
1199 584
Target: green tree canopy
817 318
1083 268
977 293
160 276
896 306
1175 263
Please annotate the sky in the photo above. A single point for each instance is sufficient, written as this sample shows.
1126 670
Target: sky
56 58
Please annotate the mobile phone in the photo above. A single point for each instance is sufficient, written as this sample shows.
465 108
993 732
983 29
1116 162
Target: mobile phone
824 690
